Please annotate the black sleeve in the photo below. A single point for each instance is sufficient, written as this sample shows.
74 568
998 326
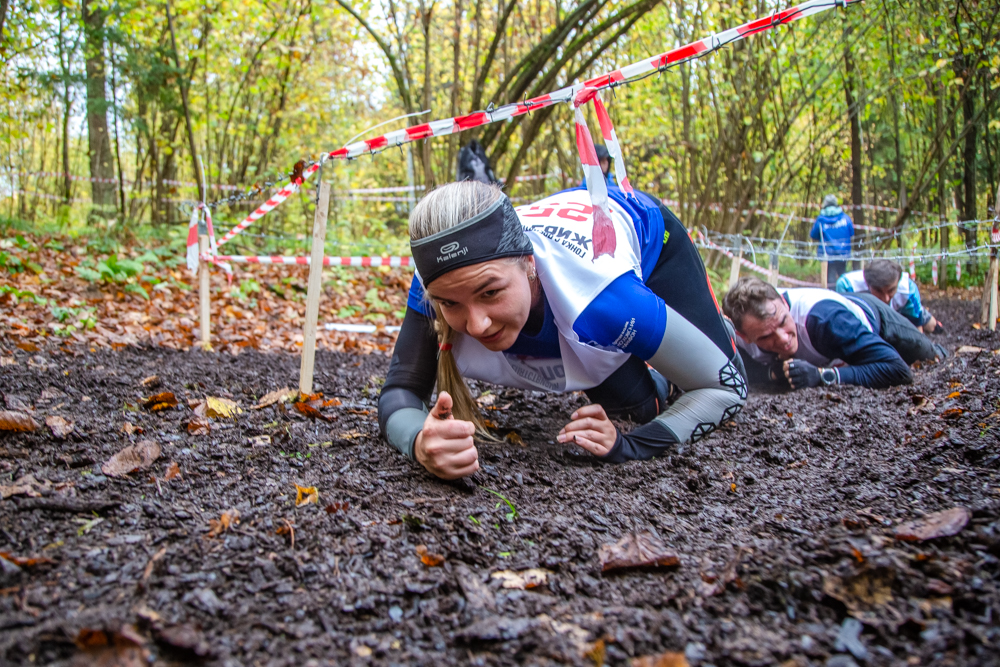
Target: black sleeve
836 333
763 375
413 369
644 442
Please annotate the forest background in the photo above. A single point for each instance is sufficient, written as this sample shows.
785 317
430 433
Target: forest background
883 103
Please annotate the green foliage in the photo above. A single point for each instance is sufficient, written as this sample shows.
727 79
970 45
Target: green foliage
12 263
16 294
84 316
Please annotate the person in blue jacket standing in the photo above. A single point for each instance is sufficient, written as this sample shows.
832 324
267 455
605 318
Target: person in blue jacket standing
834 230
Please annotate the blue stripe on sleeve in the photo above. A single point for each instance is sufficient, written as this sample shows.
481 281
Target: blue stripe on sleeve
626 315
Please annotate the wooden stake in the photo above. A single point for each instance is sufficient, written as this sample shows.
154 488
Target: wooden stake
774 269
204 296
734 272
824 274
315 289
992 287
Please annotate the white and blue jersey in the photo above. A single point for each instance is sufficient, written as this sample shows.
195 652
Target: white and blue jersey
624 315
906 301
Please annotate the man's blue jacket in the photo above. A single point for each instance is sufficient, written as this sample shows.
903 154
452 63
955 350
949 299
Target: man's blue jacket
834 229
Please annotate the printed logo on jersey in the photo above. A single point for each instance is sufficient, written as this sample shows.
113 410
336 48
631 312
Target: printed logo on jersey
577 243
547 373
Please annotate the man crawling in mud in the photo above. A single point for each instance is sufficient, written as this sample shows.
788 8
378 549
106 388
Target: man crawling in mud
810 337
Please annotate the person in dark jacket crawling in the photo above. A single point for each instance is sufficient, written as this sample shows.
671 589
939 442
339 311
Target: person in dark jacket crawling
810 337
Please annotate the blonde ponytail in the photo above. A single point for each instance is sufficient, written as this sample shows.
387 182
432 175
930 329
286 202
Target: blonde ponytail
449 379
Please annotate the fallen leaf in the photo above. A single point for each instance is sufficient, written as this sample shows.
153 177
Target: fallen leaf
8 361
218 526
186 641
199 426
975 325
862 592
26 485
60 426
952 413
173 470
521 580
636 549
224 408
16 421
51 394
28 347
276 396
128 428
134 457
662 660
427 558
24 562
160 401
333 508
969 349
715 585
305 495
920 404
310 411
151 381
363 651
486 400
121 648
514 438
260 441
940 524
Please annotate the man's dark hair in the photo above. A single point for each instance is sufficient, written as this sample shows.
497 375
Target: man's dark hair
883 274
750 296
474 164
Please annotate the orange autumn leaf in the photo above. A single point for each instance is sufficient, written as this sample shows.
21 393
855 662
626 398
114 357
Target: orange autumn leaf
218 526
24 562
304 495
199 426
161 401
173 470
427 558
60 426
11 420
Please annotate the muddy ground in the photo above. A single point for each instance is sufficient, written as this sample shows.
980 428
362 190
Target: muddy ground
797 501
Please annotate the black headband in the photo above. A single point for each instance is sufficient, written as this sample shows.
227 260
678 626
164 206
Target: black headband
492 234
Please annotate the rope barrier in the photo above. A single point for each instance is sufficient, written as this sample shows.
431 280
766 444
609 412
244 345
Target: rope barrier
305 261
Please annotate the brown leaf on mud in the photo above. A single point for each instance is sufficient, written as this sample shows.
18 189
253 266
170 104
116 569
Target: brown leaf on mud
161 401
121 648
16 421
134 457
24 562
920 404
515 438
310 411
333 508
531 578
151 381
940 524
952 413
218 526
276 396
28 347
427 558
60 426
305 495
636 549
173 471
714 585
128 428
662 660
186 641
221 408
199 426
864 591
26 485
260 441
51 394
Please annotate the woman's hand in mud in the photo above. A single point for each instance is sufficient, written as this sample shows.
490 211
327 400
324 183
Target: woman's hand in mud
590 429
445 446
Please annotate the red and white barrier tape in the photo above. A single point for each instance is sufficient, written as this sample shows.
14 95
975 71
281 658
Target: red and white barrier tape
304 261
750 265
449 126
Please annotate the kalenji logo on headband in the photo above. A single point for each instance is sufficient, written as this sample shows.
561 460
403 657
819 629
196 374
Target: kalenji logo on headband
451 251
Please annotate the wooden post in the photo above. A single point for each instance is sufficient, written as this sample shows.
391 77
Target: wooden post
204 296
734 271
774 269
315 289
988 314
824 274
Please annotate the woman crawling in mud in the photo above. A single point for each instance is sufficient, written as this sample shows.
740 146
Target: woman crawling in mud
517 298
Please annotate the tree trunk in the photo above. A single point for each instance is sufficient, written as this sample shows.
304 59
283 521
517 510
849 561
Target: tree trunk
102 188
969 168
854 110
942 184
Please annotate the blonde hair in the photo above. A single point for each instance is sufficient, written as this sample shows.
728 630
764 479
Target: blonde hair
441 209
